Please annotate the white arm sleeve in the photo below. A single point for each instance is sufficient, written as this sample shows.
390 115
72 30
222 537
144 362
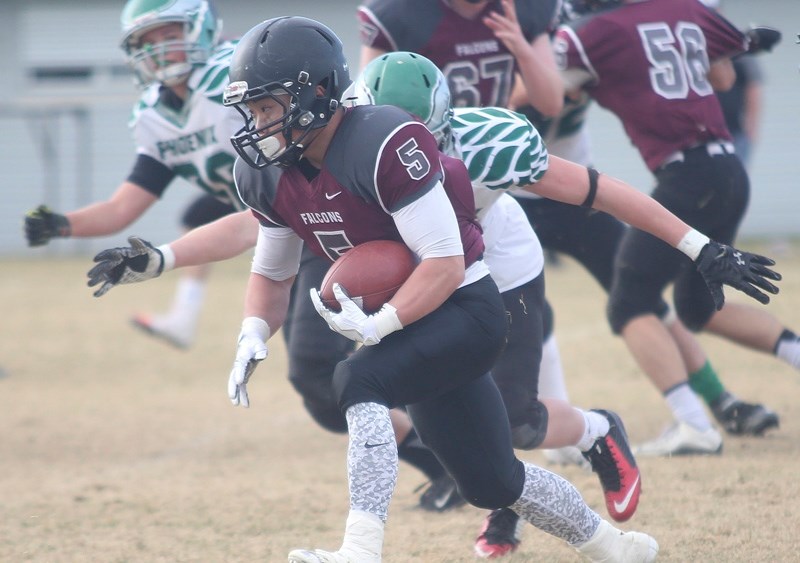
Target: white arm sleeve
277 254
575 78
429 226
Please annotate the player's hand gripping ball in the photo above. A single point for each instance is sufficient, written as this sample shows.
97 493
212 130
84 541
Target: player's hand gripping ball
370 273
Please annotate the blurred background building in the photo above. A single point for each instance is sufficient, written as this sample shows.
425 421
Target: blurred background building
67 94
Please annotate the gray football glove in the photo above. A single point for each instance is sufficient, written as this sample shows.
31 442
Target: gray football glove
722 264
130 264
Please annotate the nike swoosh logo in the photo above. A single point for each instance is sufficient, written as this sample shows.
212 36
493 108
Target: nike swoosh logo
443 500
368 445
623 506
331 196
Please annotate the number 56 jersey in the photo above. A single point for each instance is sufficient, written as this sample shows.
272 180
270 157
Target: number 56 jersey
647 62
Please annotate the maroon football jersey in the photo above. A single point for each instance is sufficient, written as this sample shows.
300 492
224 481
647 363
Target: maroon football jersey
379 160
649 61
478 66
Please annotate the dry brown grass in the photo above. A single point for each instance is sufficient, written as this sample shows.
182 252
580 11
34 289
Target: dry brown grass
118 448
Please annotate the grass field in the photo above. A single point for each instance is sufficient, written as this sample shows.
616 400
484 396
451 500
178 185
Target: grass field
119 448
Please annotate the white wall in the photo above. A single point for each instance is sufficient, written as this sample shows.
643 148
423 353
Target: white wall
46 157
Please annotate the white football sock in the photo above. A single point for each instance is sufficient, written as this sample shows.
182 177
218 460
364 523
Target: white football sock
551 372
595 426
788 350
687 407
363 536
188 300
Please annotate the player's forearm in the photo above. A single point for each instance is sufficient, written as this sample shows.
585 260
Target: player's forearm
431 283
639 210
267 299
541 78
98 219
569 182
643 212
127 204
222 239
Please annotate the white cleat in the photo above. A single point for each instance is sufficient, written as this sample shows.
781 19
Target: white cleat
568 455
317 556
681 439
321 556
179 334
610 545
363 543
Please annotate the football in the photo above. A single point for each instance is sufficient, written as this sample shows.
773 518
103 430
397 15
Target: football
370 273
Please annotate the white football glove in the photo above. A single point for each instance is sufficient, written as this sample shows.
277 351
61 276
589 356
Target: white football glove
353 323
251 349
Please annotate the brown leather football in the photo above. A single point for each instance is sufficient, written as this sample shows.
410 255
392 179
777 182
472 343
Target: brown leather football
370 273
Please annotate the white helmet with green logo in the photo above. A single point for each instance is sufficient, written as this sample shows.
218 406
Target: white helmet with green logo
201 29
413 83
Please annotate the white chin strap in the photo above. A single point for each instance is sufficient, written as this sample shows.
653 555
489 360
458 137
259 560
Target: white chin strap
269 147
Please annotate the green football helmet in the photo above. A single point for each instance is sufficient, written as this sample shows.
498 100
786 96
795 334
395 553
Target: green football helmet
413 83
201 29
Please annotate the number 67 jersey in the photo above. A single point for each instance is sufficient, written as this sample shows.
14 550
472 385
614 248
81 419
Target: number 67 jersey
478 66
647 62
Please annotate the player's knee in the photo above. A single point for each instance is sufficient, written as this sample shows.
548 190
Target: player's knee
694 314
619 315
489 496
531 433
693 302
327 415
316 389
664 312
547 320
631 302
352 386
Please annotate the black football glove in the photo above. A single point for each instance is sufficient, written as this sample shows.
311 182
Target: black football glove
41 225
722 264
129 264
762 38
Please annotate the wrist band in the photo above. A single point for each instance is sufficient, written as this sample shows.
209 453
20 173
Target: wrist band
692 243
168 256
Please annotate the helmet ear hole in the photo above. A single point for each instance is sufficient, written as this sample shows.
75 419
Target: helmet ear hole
306 119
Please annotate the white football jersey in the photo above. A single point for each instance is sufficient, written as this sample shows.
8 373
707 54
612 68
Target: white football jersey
194 142
513 252
502 151
566 136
